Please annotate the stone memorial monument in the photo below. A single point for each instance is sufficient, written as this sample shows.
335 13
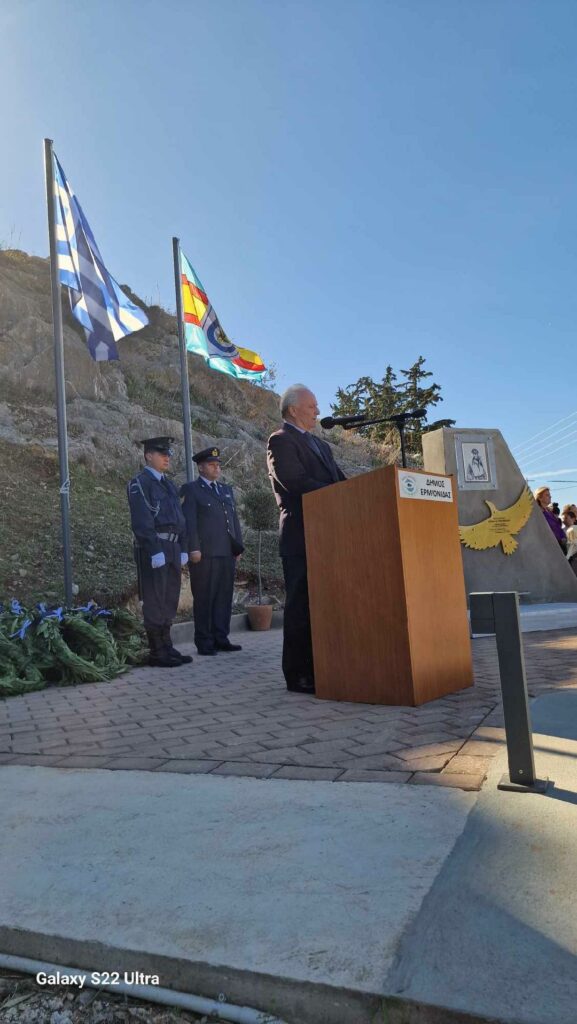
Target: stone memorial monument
506 542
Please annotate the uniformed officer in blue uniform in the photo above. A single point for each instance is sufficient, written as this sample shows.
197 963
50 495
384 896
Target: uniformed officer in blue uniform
160 549
214 544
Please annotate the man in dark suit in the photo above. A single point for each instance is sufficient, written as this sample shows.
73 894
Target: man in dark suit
214 544
298 462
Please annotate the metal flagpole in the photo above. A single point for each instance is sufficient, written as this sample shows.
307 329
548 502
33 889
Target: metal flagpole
186 424
59 374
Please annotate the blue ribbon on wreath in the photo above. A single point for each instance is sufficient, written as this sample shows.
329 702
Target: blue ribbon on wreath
45 614
21 633
56 614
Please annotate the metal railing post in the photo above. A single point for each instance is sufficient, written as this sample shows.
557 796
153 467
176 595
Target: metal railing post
498 613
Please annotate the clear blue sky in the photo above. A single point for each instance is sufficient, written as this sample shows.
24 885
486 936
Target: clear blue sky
356 183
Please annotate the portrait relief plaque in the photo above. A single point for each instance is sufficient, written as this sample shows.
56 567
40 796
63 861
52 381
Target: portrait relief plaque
475 462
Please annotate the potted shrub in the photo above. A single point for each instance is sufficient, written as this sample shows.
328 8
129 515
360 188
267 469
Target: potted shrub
260 513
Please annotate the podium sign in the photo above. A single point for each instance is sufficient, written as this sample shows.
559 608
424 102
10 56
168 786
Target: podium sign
386 588
425 487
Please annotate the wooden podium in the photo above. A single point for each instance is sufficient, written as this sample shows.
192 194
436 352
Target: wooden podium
386 588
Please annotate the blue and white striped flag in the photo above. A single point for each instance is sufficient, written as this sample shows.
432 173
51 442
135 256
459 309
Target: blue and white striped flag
97 301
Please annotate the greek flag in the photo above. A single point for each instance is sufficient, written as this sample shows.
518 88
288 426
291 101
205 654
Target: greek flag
97 301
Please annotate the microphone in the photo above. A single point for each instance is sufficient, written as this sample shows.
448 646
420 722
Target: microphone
328 422
412 414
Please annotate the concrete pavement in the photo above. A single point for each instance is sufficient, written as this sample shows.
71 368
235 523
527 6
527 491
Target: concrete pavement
323 904
288 896
497 933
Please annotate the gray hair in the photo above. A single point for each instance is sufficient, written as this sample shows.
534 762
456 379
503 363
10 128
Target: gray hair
291 396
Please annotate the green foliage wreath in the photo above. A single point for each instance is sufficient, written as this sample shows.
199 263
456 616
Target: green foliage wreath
65 646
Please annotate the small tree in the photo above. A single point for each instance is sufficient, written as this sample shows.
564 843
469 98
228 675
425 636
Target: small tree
270 378
387 398
260 513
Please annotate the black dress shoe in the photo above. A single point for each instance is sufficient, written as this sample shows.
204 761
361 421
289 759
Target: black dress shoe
208 651
303 685
228 647
184 659
164 659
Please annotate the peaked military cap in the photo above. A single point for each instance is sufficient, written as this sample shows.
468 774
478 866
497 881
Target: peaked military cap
207 455
158 444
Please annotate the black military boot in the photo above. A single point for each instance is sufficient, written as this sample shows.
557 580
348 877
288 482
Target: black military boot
183 659
153 645
160 657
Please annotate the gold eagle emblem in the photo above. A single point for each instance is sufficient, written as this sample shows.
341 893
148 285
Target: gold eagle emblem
500 526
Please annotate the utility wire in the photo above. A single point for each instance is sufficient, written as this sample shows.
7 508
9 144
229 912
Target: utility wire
550 480
559 435
527 443
550 474
551 451
547 442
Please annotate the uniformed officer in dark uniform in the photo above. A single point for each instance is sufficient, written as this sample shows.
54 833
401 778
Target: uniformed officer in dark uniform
160 549
214 544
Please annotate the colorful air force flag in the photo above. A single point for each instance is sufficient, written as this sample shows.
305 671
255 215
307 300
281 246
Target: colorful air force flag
205 336
97 301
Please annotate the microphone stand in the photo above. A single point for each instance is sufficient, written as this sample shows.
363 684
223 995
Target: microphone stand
399 420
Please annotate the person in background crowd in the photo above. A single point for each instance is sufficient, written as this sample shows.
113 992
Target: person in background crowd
298 462
569 519
543 498
160 549
214 545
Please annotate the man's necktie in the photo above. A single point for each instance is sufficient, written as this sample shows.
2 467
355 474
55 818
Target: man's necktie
313 443
214 487
327 462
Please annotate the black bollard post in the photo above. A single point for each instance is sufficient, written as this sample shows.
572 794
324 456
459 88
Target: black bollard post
499 614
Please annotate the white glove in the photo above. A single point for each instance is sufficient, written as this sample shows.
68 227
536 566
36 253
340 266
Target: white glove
157 561
183 558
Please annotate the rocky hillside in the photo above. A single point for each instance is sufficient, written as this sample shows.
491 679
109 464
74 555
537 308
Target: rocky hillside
110 406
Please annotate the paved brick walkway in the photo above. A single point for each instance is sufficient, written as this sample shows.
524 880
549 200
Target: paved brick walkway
231 715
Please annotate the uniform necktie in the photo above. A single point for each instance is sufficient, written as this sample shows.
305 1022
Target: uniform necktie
214 487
